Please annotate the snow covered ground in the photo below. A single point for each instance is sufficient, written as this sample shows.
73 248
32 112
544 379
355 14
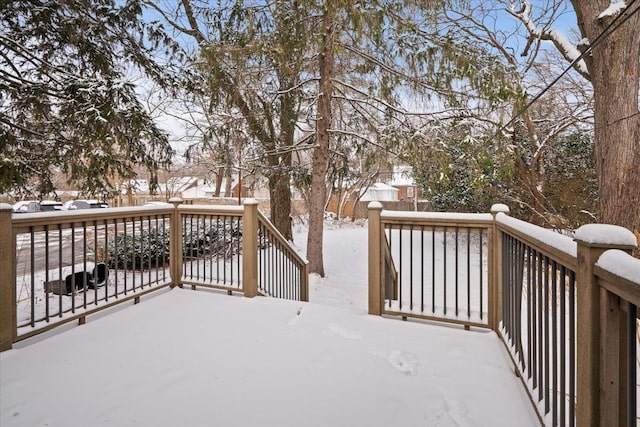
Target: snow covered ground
199 358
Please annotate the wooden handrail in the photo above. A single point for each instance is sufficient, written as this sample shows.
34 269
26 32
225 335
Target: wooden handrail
565 251
267 224
22 223
624 284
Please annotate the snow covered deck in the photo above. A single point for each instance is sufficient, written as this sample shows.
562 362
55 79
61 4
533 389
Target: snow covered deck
197 358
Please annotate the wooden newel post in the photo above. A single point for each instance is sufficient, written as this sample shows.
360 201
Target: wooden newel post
7 279
495 269
592 316
175 245
304 283
250 248
375 259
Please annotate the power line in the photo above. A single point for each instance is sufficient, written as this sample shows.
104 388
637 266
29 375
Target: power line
621 119
604 34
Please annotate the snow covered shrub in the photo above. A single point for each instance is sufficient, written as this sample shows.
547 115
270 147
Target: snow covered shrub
150 247
147 248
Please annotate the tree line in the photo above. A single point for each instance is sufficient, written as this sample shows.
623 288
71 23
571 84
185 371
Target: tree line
326 95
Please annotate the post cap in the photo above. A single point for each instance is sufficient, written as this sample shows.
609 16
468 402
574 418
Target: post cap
5 207
499 207
175 200
375 205
606 236
249 202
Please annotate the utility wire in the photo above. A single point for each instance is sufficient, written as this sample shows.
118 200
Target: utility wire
604 34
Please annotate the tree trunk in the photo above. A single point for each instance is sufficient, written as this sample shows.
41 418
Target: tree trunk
317 199
614 68
219 178
280 198
227 176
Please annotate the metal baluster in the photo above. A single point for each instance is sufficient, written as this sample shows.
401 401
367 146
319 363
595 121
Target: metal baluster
198 247
224 251
95 262
185 246
150 246
444 269
238 244
62 279
260 264
115 251
422 269
554 323
546 335
390 229
191 247
530 313
33 277
280 269
400 269
211 248
218 249
157 233
563 345
126 251
480 262
73 268
46 272
456 275
106 258
133 252
270 280
505 279
572 347
534 313
164 238
411 267
469 275
433 269
632 342
85 277
541 347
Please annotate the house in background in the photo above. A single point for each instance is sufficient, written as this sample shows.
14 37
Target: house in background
202 190
379 192
402 179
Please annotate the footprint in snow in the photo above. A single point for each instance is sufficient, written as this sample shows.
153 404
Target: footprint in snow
342 333
295 319
403 362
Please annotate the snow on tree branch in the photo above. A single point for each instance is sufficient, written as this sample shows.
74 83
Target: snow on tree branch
615 8
568 50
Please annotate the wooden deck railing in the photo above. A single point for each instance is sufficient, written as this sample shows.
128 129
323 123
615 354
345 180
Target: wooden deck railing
430 265
565 308
282 272
63 266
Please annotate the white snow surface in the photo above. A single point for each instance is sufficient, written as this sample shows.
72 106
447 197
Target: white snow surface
614 8
199 358
620 263
606 234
